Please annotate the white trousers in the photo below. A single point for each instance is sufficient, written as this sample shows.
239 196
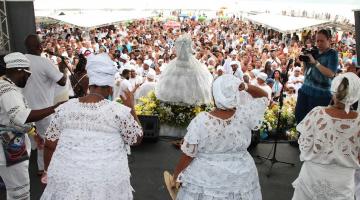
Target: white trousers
40 153
17 180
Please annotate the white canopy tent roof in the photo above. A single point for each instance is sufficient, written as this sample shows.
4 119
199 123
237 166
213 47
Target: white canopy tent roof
133 4
285 24
93 19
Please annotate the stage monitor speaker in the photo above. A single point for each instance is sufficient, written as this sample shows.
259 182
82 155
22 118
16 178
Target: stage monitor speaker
151 127
2 65
357 33
21 22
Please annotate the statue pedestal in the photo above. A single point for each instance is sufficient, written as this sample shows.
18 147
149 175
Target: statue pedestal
172 131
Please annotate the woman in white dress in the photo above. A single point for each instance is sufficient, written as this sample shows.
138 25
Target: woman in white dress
330 145
88 141
215 163
185 79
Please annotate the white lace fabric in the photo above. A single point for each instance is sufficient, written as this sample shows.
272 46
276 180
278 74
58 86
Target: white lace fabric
90 160
330 148
222 168
185 79
328 140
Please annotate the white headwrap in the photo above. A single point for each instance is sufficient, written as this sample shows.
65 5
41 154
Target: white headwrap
297 69
151 75
262 76
101 70
225 91
148 62
219 68
234 63
125 57
353 90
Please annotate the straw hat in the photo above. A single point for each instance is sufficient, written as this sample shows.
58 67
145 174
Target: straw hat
168 178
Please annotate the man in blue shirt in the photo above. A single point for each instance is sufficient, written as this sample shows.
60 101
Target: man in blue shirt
318 76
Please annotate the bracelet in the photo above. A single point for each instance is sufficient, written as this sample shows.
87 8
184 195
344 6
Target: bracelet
317 65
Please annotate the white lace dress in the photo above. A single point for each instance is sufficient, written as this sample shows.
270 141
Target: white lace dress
185 79
90 160
222 167
330 150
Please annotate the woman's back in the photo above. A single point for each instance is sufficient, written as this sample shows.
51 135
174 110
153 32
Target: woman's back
326 139
216 135
91 154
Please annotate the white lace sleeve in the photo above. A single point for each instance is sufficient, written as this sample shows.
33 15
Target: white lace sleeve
305 127
254 109
192 138
53 132
129 127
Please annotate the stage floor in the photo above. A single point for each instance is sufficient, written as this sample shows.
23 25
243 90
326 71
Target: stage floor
149 160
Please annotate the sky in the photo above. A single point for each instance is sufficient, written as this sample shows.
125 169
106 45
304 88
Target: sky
340 7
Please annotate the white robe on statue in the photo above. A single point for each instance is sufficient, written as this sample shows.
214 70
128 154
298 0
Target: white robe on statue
185 80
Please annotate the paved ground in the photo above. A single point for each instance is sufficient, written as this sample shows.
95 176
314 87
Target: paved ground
149 160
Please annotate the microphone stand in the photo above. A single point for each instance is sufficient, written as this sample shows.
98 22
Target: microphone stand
279 129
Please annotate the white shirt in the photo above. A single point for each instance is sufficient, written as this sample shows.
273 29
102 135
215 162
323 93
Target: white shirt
144 89
143 73
266 88
40 87
120 86
135 81
13 111
293 79
239 74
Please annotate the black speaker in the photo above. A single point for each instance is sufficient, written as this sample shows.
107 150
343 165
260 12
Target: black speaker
2 65
151 127
21 22
357 34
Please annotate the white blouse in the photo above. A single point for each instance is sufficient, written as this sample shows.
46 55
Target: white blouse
222 166
329 140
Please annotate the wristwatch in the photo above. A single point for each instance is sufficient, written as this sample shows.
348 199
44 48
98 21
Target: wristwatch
317 64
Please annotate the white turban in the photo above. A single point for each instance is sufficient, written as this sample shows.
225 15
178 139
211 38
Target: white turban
151 75
148 62
262 76
233 53
219 68
16 60
353 90
234 63
225 91
125 57
297 69
101 70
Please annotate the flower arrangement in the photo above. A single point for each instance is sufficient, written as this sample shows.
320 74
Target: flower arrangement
287 118
171 114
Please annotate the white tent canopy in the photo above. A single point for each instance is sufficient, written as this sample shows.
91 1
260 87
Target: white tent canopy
133 4
285 24
93 19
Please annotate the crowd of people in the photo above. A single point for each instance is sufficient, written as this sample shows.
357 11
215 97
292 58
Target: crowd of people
95 68
224 46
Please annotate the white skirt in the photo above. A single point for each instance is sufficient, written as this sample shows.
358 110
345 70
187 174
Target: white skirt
324 182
